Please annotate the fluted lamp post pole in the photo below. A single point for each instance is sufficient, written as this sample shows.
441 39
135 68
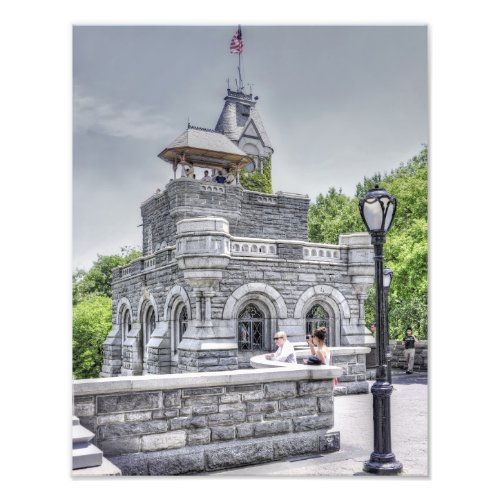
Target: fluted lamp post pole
388 274
377 210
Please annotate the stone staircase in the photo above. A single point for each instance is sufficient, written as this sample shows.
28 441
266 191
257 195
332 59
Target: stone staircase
87 458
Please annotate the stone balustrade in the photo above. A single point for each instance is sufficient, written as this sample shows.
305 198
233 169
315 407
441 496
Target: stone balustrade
161 257
239 247
185 423
252 247
323 253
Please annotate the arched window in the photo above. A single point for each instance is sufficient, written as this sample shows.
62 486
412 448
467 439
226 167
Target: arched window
148 328
251 329
125 325
183 322
316 318
180 325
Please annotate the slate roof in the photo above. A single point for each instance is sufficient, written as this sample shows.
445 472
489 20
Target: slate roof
238 110
199 142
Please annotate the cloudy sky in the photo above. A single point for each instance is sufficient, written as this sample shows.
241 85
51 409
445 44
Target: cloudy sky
338 103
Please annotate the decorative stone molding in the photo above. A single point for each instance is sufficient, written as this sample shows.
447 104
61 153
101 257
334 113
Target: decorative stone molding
174 292
268 200
319 291
149 263
123 303
253 248
321 253
256 289
214 188
147 296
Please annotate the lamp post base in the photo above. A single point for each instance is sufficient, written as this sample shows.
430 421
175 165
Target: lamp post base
383 464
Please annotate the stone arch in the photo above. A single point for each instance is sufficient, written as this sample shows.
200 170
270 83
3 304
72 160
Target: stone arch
122 303
332 301
266 298
176 299
267 293
176 292
331 296
121 308
146 297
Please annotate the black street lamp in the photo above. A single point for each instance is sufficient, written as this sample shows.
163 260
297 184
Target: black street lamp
388 274
377 210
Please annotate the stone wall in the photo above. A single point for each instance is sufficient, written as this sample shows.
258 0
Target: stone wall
215 274
421 355
350 361
250 214
175 424
288 278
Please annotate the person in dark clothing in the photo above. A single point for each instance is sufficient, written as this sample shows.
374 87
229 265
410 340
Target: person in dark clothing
220 179
409 351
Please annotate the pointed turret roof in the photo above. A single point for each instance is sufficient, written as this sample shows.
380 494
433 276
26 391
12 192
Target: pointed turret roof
240 116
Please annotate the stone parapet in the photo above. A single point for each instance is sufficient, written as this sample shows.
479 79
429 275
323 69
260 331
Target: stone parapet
175 424
349 364
253 214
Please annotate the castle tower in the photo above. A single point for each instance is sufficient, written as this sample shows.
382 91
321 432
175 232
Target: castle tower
223 268
240 121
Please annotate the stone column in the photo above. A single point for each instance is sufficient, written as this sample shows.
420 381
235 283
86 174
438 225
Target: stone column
208 306
361 274
198 295
361 300
203 254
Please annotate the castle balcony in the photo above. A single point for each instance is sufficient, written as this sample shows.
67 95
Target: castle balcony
355 251
148 263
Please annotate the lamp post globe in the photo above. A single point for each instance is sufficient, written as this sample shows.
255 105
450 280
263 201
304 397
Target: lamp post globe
377 209
388 274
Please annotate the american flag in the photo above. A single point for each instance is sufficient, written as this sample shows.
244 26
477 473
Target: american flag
236 46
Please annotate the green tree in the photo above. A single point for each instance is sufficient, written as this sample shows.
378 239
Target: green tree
259 181
405 250
97 281
332 215
92 311
91 324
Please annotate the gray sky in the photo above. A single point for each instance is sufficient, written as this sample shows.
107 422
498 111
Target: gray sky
338 103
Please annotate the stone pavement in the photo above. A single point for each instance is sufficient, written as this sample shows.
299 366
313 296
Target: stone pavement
354 420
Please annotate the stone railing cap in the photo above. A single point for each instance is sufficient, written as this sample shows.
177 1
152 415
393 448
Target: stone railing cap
287 373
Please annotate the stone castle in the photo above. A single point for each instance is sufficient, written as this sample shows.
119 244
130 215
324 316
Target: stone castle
224 268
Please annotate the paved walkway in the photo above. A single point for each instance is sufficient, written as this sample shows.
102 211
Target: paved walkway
354 420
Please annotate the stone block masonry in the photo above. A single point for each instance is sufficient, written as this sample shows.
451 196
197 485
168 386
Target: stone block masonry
194 422
214 256
421 356
252 214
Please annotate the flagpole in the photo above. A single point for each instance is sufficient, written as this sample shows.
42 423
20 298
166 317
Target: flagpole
240 34
239 71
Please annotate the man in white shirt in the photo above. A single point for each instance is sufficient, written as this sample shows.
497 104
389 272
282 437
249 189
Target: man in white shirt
206 178
285 352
